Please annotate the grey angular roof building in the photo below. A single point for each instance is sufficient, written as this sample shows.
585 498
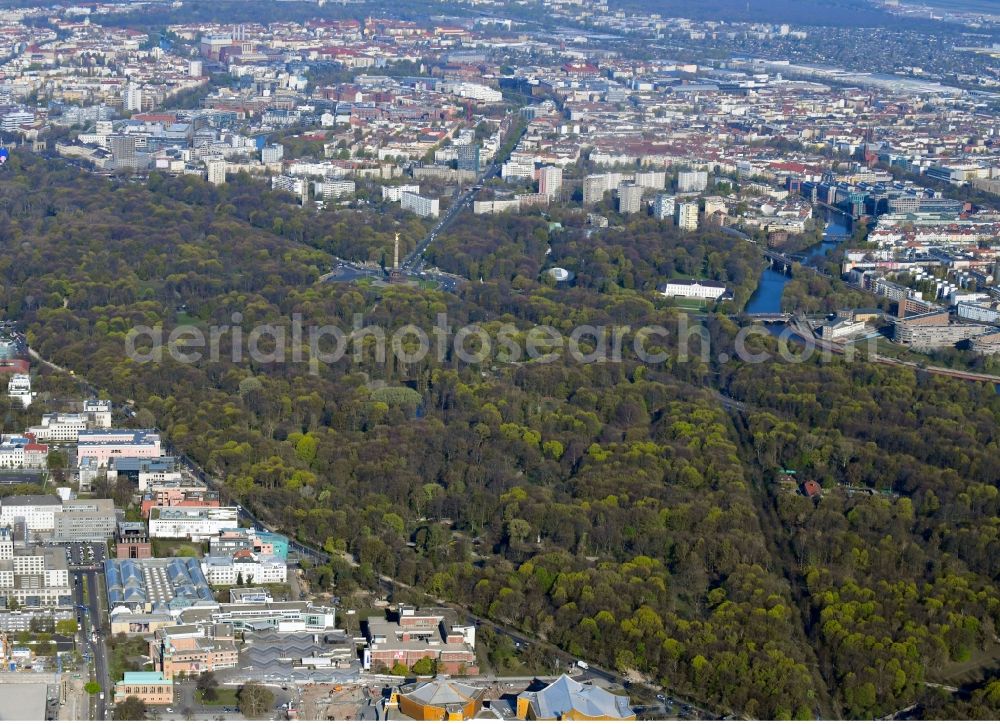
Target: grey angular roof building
566 698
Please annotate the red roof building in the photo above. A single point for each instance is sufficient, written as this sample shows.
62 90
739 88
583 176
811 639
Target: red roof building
812 489
14 366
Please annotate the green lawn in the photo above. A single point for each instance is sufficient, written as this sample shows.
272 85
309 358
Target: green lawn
891 349
888 348
164 548
223 697
125 653
697 305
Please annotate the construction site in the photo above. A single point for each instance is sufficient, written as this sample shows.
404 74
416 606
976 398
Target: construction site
34 687
338 702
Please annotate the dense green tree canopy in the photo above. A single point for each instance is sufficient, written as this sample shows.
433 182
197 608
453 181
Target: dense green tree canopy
620 510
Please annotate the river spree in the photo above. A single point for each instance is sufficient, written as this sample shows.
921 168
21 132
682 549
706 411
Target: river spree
767 297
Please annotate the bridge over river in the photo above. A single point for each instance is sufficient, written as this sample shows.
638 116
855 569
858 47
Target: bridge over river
766 317
783 262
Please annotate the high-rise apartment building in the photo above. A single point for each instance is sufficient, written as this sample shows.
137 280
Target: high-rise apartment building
550 181
123 151
692 181
133 97
419 205
629 198
272 153
686 216
216 171
663 207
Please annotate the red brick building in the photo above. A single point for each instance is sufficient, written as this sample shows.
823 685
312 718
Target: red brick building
132 541
407 636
